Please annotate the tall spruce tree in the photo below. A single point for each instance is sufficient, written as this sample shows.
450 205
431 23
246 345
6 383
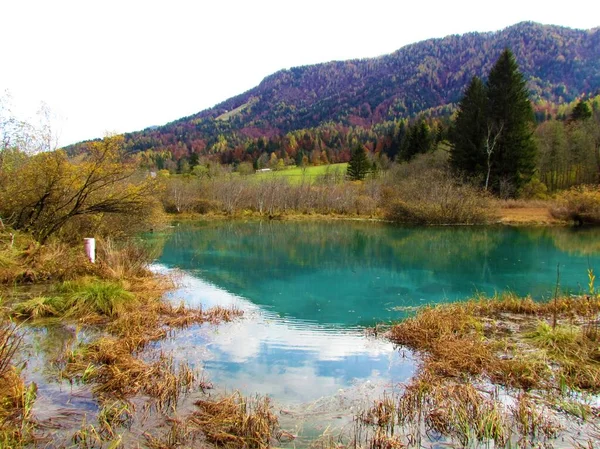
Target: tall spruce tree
468 133
359 165
492 136
510 124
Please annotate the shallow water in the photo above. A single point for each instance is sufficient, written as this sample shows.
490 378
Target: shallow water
309 290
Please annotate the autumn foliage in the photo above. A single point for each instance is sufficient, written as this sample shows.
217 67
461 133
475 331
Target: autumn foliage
48 194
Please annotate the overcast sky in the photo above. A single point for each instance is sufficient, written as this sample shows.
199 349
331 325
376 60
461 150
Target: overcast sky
118 66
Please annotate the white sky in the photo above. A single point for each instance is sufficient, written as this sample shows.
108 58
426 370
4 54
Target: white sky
124 65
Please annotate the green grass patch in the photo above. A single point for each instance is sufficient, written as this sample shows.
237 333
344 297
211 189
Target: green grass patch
79 298
311 173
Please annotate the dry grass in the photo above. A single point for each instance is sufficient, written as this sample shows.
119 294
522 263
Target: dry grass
16 399
110 365
504 340
235 421
116 374
437 406
532 422
473 339
23 260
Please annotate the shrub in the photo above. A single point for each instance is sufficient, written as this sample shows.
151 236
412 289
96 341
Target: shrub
49 194
435 197
579 204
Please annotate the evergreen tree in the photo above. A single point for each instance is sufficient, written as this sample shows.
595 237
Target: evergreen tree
581 111
359 165
419 140
492 137
510 123
467 155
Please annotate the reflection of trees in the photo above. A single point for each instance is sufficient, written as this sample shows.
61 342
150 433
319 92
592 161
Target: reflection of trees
442 248
289 247
52 343
582 242
231 252
338 269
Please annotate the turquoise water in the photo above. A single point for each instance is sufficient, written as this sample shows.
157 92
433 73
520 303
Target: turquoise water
309 289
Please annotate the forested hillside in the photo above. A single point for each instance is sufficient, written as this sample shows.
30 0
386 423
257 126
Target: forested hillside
316 111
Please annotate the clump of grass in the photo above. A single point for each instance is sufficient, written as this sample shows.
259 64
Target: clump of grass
116 373
440 406
127 259
561 339
108 298
16 400
114 414
37 307
451 340
177 435
87 436
24 260
532 423
235 421
505 303
76 299
572 350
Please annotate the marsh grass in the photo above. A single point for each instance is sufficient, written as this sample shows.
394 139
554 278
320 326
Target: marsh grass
24 260
236 421
532 422
77 299
506 341
16 399
177 435
120 301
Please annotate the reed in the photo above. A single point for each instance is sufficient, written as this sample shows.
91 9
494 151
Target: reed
235 421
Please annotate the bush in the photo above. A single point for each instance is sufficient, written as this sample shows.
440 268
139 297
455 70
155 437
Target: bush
534 190
580 205
435 197
50 194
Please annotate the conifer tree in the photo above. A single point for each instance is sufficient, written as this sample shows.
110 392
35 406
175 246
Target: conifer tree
510 123
492 136
469 131
581 111
359 165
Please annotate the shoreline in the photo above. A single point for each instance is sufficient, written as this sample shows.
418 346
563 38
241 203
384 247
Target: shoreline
507 216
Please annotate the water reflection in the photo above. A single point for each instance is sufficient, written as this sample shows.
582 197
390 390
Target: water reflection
43 354
360 273
291 360
309 288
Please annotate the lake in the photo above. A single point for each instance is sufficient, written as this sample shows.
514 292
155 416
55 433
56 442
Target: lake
310 289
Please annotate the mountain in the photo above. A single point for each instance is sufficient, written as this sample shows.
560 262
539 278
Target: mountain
559 63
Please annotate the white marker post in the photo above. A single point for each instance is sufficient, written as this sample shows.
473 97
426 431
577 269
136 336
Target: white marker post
90 249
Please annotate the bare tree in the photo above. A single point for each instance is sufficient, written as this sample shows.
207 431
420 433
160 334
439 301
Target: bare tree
490 145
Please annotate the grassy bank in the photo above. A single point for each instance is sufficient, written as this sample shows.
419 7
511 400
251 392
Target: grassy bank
506 370
120 303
